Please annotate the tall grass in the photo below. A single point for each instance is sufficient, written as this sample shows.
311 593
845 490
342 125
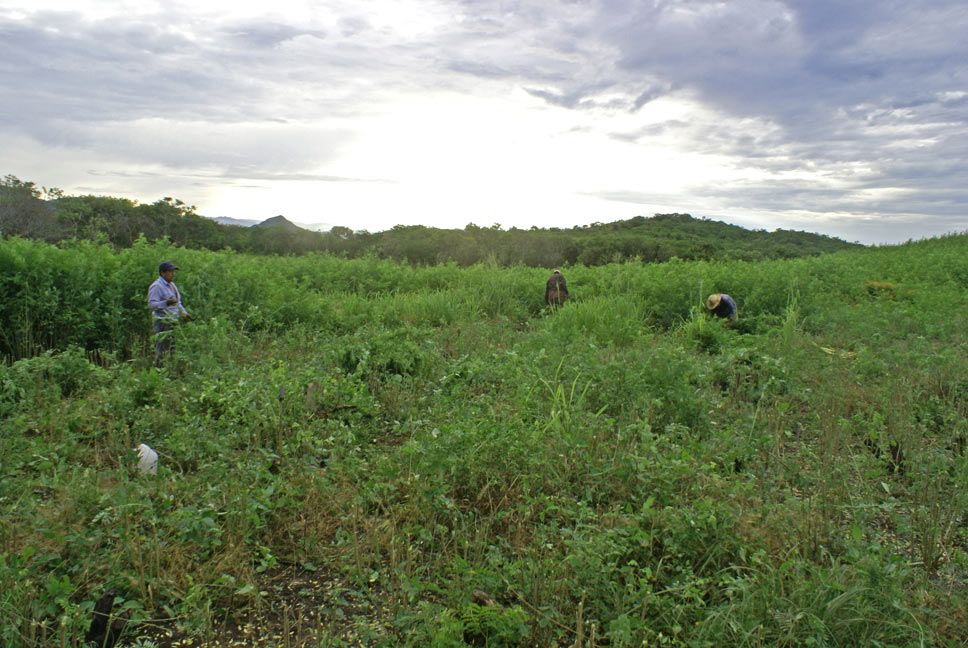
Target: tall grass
622 471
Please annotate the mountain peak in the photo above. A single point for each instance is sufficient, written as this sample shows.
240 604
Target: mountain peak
278 221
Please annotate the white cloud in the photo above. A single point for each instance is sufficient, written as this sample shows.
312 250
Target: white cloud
849 117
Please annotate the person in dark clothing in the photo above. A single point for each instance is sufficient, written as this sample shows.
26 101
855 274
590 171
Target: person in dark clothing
722 305
556 291
106 628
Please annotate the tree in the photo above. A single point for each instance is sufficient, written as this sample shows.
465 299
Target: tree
24 212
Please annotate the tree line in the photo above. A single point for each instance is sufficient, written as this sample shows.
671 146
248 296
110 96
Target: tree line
35 212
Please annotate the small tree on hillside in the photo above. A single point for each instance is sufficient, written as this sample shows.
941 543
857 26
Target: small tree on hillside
24 212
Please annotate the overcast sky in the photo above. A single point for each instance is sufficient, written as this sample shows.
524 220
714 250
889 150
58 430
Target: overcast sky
844 117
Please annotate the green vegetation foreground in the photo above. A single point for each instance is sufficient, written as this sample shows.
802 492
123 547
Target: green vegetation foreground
467 468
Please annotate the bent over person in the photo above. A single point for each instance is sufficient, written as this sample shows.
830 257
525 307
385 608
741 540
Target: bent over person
722 305
556 291
164 300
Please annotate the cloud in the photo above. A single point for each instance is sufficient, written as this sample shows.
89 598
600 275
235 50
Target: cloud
239 175
763 107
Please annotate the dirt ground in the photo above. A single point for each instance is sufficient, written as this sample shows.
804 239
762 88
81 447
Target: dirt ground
300 609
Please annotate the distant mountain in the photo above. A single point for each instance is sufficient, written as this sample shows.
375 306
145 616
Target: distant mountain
279 221
239 222
316 227
245 222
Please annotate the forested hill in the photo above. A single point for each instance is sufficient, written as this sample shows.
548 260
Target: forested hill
651 239
48 214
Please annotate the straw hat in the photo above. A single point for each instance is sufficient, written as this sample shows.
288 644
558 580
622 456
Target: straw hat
713 301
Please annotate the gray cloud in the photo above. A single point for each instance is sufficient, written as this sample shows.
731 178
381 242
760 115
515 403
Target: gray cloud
867 101
270 35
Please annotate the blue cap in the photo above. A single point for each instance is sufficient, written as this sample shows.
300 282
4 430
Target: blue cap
166 266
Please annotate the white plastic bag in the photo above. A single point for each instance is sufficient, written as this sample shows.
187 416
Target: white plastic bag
147 460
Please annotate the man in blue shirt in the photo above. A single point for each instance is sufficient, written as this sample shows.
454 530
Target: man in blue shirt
164 300
722 305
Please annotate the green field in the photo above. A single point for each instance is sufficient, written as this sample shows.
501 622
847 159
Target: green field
358 452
